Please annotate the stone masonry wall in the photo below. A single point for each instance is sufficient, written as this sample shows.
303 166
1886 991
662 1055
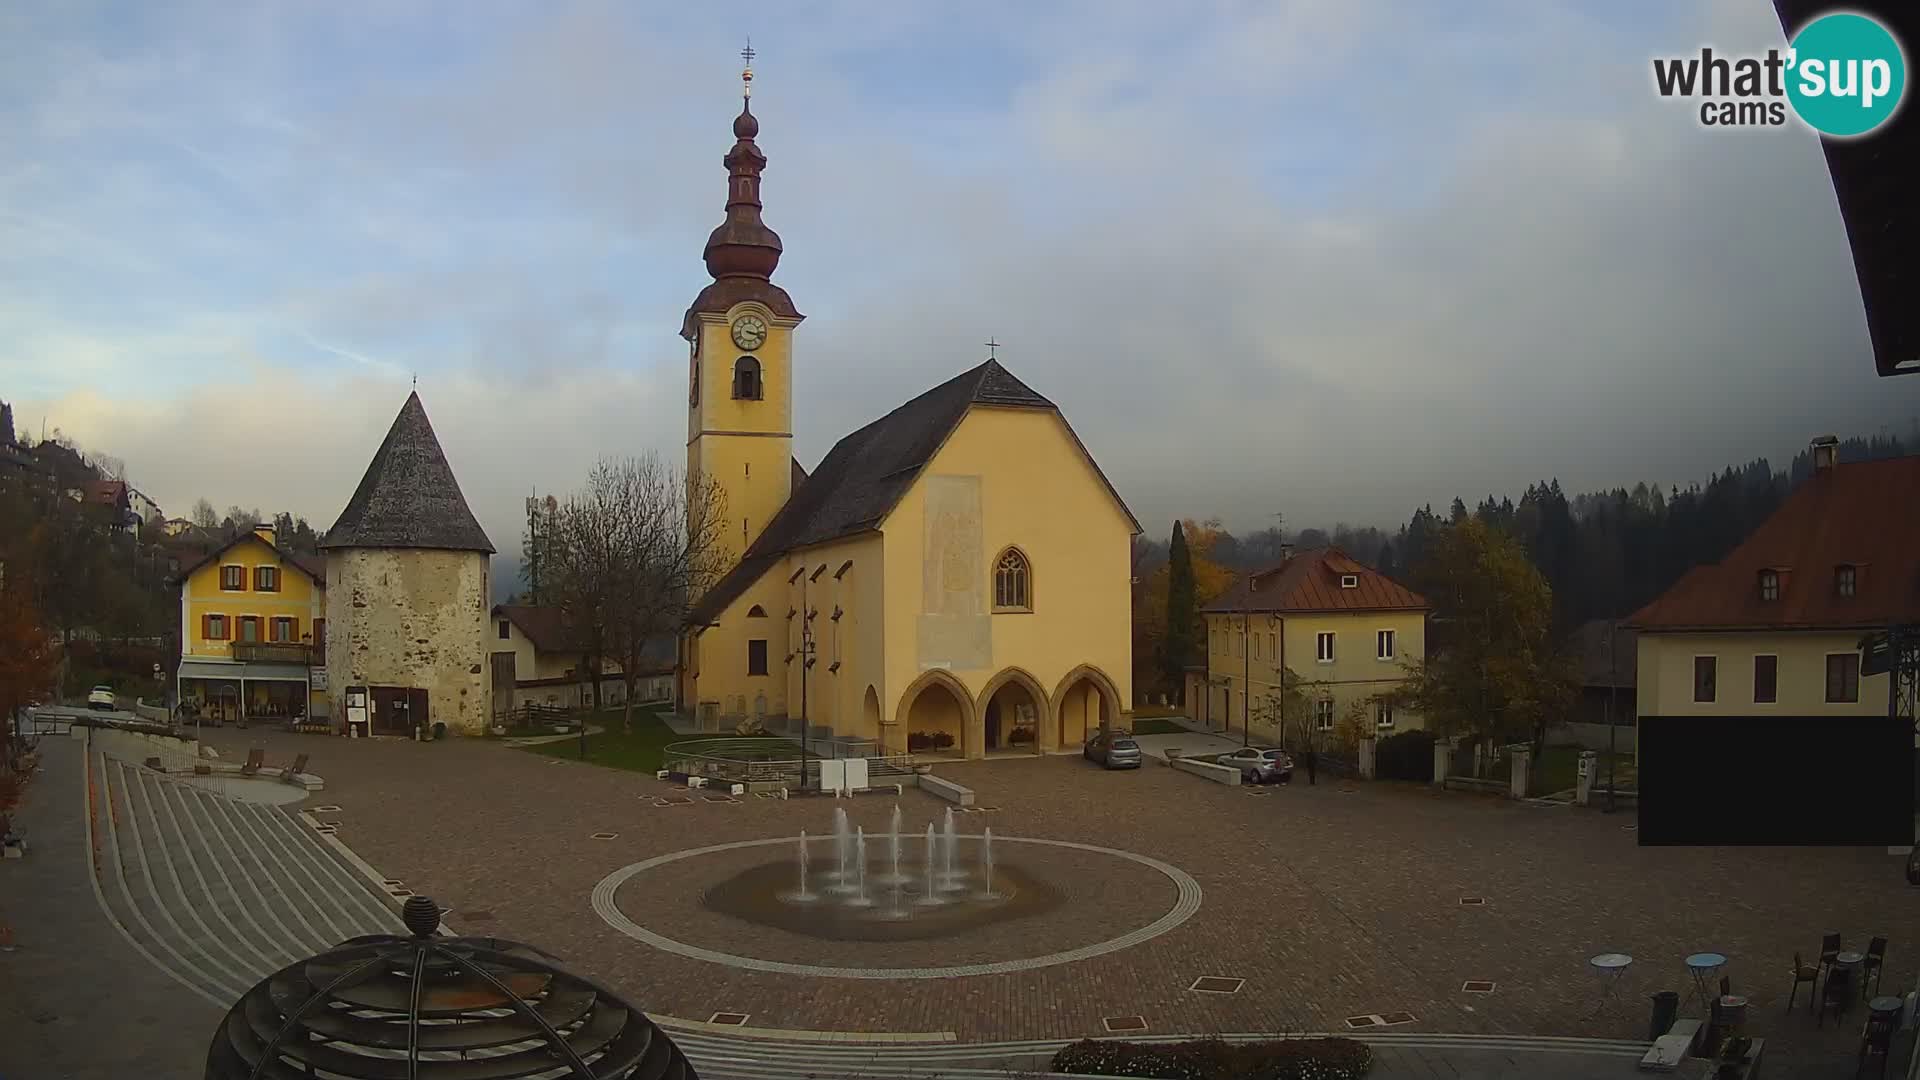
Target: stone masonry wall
414 618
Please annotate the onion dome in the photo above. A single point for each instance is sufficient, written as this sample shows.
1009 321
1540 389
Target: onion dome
386 1007
743 246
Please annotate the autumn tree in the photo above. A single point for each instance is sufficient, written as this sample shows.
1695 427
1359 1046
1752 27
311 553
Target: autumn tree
204 515
26 665
1500 674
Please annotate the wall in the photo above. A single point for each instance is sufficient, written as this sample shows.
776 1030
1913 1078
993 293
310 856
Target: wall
412 618
1355 674
299 598
1665 674
746 445
1037 491
529 662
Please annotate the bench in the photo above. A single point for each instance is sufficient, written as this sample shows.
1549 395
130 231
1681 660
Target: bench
946 789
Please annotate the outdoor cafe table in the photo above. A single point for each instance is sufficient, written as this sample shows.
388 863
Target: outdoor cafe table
1611 966
1702 966
1852 962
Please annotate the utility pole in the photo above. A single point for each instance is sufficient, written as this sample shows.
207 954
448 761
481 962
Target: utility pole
1613 693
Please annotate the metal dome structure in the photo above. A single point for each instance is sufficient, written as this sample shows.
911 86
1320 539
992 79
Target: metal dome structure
386 1007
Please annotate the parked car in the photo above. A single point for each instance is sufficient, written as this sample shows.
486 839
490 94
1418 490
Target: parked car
101 699
1259 764
1115 751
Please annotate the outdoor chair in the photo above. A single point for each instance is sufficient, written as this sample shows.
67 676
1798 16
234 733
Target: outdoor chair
1804 973
1877 1038
1829 949
256 757
1834 994
291 774
1871 963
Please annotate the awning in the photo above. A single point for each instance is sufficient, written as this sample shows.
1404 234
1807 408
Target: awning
202 669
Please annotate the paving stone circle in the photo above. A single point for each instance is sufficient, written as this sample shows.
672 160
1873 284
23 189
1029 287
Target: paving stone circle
1185 905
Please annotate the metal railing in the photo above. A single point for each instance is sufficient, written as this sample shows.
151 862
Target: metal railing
750 760
278 652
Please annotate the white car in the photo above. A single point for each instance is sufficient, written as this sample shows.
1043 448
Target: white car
101 699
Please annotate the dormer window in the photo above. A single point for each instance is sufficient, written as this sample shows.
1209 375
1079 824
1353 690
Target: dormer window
1769 585
746 379
1846 578
1349 581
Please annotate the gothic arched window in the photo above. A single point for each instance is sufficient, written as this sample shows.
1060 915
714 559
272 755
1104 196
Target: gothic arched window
1012 582
746 378
756 612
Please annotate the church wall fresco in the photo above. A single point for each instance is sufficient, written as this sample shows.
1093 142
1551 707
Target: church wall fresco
955 625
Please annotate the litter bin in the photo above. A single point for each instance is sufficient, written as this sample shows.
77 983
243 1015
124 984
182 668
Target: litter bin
1666 1006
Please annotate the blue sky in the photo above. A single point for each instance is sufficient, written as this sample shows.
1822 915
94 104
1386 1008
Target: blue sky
1328 258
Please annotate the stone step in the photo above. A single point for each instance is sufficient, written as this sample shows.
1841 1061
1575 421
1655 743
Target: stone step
335 882
182 903
228 898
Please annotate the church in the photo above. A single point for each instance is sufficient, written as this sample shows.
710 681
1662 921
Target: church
952 579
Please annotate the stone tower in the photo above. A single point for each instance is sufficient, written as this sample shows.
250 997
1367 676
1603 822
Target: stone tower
407 589
739 333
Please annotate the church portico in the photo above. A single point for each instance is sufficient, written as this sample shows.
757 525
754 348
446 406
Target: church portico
1013 709
937 717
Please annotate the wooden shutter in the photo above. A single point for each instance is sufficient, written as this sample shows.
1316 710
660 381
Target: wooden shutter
206 627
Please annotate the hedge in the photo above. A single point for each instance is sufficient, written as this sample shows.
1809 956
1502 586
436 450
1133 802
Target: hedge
1217 1059
1406 756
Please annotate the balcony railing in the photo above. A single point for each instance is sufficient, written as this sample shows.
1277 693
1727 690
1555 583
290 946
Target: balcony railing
277 652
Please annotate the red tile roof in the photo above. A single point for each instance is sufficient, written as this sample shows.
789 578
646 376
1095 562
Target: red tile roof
1310 582
1862 514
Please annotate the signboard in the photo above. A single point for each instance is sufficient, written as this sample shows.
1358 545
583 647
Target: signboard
317 678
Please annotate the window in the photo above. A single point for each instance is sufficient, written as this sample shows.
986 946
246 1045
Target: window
266 578
214 627
280 629
506 630
1705 668
756 612
1349 581
757 656
1769 585
1273 646
1766 680
1323 714
1843 677
1383 715
1383 644
1323 646
233 578
1257 642
250 628
1845 578
1012 582
746 379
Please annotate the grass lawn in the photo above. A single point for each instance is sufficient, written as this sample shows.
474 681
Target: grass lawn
1156 727
640 751
1560 768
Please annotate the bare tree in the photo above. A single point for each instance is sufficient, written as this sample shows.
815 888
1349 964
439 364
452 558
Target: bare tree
111 468
629 554
204 515
243 519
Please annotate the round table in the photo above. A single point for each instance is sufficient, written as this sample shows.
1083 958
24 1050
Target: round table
1610 965
1886 1004
1703 965
1852 962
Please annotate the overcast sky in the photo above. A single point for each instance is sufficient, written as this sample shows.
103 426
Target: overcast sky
1330 258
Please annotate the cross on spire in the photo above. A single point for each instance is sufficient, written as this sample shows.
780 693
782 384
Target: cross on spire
991 346
746 73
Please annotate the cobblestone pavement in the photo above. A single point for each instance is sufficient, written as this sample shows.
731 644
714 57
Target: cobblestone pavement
1332 901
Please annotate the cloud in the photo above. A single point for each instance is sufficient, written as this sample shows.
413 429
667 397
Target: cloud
1329 259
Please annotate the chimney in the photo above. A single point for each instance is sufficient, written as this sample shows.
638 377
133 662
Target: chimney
264 531
1826 452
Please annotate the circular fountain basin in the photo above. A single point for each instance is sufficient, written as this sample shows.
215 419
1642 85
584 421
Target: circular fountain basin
764 894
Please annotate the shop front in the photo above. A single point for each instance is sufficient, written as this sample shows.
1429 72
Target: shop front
248 693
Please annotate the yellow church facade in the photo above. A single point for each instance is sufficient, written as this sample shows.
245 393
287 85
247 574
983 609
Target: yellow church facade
951 580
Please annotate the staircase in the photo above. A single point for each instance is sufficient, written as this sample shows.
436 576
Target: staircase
219 893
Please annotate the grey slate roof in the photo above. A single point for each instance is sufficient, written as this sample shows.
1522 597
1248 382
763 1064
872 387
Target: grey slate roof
865 474
408 497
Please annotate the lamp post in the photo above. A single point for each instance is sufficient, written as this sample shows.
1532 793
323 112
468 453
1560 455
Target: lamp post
1613 693
1246 681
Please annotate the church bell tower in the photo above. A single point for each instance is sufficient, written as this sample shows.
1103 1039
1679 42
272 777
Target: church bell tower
739 333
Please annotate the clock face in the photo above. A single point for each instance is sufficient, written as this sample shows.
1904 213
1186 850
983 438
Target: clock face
749 332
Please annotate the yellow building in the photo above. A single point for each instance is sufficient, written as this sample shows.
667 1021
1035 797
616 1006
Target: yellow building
1774 629
253 632
952 579
1344 630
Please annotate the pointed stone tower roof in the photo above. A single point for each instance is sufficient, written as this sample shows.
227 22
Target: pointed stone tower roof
408 498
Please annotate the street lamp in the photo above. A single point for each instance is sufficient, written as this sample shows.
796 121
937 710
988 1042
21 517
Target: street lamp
1613 693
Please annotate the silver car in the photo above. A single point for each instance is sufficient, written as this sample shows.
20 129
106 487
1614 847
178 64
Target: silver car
1259 764
1115 751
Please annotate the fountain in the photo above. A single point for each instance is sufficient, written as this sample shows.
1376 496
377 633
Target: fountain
856 901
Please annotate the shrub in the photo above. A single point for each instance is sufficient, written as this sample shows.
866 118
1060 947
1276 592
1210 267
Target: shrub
1406 756
1217 1059
929 740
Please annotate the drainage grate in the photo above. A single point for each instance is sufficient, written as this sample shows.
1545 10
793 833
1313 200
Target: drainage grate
719 798
327 830
1397 1018
674 800
1363 1021
1124 1023
477 916
1477 986
400 892
605 835
766 794
326 809
391 883
731 1019
1473 901
1217 984
329 825
1256 792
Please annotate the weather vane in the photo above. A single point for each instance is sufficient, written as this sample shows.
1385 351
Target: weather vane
991 346
746 73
